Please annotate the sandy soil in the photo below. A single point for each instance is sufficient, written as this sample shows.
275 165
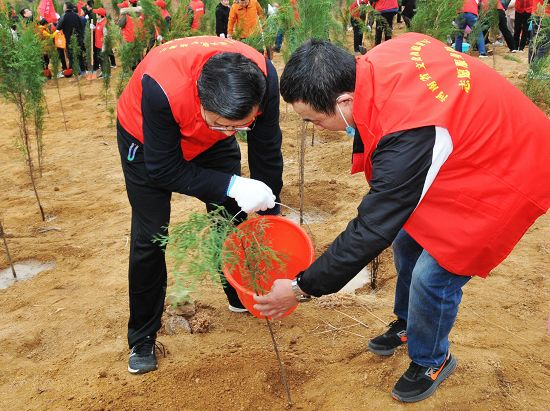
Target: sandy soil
63 333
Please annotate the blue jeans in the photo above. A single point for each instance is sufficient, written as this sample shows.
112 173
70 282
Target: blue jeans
469 19
427 296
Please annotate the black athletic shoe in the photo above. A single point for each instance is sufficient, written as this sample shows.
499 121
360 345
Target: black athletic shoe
142 357
419 382
386 343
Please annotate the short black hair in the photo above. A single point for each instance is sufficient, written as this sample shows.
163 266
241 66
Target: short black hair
22 11
316 74
90 3
231 85
69 5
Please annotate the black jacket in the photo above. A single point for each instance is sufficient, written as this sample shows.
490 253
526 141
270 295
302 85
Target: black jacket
222 17
70 23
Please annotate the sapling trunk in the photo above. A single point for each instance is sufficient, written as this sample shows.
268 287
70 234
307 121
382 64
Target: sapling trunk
75 62
10 261
312 135
26 147
301 180
281 364
38 116
56 64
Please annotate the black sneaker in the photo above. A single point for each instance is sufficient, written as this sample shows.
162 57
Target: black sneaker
142 357
386 343
419 382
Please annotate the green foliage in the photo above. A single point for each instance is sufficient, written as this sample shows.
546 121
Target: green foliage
75 62
316 21
196 248
537 85
511 58
435 17
105 61
181 24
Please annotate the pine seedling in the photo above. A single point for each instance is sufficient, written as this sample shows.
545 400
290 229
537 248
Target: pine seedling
106 62
435 18
196 248
75 61
38 117
181 24
21 83
537 85
488 23
56 67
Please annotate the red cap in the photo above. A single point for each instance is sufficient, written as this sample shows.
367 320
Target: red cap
160 3
101 11
123 5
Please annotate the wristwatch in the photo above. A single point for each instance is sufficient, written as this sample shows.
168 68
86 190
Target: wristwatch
298 293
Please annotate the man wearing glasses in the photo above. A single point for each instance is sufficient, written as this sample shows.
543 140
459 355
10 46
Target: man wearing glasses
177 120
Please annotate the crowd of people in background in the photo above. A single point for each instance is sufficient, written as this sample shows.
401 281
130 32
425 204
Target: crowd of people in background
245 18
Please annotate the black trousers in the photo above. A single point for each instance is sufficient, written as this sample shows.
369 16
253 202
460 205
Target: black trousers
98 59
503 27
147 272
384 24
521 30
357 34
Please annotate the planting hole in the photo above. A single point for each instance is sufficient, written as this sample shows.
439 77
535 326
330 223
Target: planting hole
310 217
25 270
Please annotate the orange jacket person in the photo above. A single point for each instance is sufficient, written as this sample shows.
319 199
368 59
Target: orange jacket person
244 18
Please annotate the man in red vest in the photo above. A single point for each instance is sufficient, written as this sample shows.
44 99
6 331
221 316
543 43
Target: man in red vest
177 120
453 190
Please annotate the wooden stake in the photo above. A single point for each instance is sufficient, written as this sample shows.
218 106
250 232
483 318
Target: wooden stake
301 180
3 234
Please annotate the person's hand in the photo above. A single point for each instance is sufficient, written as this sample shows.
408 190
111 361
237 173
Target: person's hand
92 26
229 36
280 299
251 195
159 38
222 35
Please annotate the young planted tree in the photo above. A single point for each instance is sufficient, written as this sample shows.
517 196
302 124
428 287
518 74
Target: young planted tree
21 83
197 248
75 61
435 18
38 118
488 24
537 85
56 67
8 255
181 24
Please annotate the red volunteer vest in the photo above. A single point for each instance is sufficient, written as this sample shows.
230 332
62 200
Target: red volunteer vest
495 183
382 5
355 8
524 6
470 6
98 33
128 30
176 67
198 13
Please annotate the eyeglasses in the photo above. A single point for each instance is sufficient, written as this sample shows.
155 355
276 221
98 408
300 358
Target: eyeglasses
234 128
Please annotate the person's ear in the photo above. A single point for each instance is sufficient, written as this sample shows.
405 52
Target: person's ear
345 98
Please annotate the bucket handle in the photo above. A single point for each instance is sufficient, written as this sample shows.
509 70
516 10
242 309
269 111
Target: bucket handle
290 208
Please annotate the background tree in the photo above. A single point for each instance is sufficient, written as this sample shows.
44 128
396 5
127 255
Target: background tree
21 83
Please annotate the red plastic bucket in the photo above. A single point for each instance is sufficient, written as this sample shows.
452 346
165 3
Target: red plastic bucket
284 237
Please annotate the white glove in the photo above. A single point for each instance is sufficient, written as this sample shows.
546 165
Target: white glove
159 38
222 35
92 26
251 195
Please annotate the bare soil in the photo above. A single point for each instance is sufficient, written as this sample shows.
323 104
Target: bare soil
63 333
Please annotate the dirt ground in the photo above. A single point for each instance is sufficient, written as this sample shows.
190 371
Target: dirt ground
63 333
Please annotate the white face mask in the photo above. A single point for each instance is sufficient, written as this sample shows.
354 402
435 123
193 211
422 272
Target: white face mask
350 131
